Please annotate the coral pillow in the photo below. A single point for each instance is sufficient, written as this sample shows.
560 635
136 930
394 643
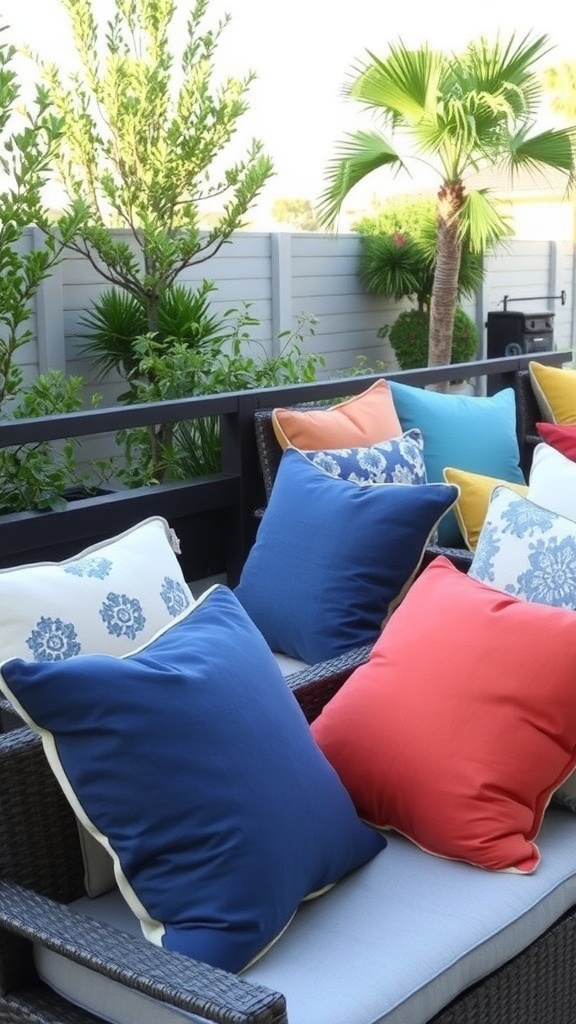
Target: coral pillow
555 392
462 724
562 438
362 420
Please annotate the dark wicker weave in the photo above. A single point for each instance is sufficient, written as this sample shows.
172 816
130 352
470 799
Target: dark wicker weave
41 870
528 416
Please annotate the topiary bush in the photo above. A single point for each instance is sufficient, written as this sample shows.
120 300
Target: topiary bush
408 337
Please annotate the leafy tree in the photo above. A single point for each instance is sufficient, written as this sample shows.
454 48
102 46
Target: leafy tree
460 113
298 212
408 215
142 137
28 142
560 81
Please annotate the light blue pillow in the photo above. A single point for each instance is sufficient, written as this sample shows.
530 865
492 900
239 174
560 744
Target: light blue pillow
527 551
331 558
193 762
472 433
397 461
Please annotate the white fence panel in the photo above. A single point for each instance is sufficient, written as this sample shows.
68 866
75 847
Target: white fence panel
282 276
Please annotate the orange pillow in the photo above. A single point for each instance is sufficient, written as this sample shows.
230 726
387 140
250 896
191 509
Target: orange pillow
462 723
363 420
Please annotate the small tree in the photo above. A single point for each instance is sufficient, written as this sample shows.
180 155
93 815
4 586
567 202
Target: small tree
142 138
28 142
460 112
297 212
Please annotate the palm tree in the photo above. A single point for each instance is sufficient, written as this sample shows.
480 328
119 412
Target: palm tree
460 114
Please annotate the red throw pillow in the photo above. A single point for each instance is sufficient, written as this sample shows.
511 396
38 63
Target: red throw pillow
462 723
562 438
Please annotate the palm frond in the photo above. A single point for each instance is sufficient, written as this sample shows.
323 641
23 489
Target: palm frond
483 221
394 265
507 69
405 84
358 155
553 148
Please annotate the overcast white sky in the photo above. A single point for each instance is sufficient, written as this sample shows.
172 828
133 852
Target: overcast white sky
302 51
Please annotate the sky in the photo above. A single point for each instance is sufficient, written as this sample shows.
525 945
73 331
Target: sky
302 52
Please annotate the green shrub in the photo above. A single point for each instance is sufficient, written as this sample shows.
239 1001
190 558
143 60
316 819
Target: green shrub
408 337
39 476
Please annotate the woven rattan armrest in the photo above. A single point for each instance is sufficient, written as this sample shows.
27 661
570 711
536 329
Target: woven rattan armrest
169 977
460 557
528 415
314 686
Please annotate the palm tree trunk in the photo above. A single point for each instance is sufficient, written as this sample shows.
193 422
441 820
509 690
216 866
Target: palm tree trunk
445 286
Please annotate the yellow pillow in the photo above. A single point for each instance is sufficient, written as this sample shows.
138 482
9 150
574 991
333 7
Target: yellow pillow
363 420
472 504
555 391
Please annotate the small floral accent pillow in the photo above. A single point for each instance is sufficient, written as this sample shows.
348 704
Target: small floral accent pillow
527 551
397 461
108 599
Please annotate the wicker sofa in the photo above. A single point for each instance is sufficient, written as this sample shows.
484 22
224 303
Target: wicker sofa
521 972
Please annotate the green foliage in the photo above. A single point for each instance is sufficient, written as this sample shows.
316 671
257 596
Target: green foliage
297 212
399 254
117 320
31 476
394 265
399 214
145 133
175 371
38 476
28 142
193 352
408 337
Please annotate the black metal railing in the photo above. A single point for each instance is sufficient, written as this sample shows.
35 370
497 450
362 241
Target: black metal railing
213 515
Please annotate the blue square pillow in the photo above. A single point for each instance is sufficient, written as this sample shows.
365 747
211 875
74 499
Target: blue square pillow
331 558
471 433
191 760
397 461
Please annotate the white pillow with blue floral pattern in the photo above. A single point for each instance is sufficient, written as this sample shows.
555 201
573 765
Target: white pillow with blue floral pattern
527 551
109 599
397 461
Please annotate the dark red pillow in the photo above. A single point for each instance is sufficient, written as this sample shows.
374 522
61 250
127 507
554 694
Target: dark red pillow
562 438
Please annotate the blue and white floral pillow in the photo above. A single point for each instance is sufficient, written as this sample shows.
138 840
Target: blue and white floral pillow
527 551
108 599
397 461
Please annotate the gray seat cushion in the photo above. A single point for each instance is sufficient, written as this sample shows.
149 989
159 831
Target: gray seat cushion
394 942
